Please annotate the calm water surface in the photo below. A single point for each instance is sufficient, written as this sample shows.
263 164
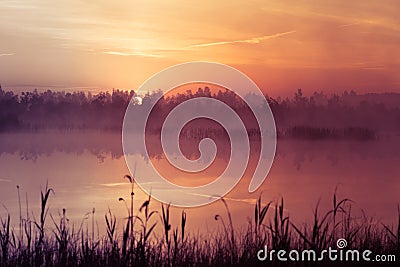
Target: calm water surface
86 171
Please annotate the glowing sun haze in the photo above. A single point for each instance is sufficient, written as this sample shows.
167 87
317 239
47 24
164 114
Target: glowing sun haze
281 45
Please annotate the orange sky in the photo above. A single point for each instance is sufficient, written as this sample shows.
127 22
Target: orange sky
281 45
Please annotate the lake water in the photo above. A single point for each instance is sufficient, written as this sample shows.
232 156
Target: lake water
86 171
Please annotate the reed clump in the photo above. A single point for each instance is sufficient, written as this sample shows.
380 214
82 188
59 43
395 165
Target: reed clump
61 243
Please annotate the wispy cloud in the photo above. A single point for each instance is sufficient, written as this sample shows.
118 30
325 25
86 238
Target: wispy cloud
113 184
7 54
349 24
254 40
135 54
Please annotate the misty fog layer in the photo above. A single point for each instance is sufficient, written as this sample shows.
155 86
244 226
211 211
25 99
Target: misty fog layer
319 116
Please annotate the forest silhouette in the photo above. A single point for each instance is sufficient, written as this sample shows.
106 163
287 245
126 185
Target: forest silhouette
319 116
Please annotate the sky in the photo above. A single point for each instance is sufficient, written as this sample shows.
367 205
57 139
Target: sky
327 46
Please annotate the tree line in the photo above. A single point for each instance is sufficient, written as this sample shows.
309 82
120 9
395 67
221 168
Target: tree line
316 115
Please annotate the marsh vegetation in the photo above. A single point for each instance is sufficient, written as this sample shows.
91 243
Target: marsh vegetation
148 238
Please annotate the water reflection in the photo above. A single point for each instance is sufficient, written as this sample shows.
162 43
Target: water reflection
31 146
86 171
